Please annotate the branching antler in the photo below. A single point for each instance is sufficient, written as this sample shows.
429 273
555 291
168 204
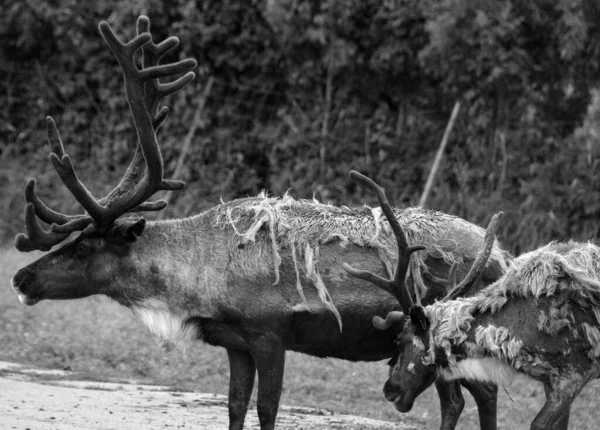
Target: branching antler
37 237
395 286
479 263
476 269
144 176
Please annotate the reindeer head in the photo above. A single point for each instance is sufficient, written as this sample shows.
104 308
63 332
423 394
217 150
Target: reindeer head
414 368
85 265
409 376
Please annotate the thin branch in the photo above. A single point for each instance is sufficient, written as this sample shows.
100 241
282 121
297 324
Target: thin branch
326 115
438 156
187 143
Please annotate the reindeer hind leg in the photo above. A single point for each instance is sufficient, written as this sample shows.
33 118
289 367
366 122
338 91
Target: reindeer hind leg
560 393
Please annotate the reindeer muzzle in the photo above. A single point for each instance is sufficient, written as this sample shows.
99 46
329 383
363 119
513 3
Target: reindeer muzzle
18 282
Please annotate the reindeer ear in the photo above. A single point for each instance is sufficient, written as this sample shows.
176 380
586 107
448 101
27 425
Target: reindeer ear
134 230
419 319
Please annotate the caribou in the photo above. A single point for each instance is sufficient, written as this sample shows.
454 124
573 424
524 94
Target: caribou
256 276
540 319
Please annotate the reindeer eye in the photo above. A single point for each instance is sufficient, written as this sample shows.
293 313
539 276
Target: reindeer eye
83 249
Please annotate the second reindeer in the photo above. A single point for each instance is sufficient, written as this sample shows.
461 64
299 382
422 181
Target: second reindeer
540 319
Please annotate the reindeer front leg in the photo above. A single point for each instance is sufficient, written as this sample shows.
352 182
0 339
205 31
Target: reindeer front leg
486 397
452 402
269 355
241 381
562 423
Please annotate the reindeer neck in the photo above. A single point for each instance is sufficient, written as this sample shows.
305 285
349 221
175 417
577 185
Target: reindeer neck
453 348
473 343
172 236
450 322
172 262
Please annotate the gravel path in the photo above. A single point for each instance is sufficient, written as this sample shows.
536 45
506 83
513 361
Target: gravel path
38 399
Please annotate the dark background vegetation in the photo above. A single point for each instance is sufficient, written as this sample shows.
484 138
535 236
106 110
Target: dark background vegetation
305 90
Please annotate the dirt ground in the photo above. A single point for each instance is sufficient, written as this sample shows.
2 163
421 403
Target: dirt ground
38 399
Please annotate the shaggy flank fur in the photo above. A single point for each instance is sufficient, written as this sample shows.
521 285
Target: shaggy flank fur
450 323
567 275
498 341
303 226
557 268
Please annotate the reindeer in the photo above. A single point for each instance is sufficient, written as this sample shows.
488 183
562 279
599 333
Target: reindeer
235 275
540 319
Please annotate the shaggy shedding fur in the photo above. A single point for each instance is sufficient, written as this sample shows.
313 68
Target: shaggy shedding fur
557 268
156 315
567 275
484 369
498 342
302 226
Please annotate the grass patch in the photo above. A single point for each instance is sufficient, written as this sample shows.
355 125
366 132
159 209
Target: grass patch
103 341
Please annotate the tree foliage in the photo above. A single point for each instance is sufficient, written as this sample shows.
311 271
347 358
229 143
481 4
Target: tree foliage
306 90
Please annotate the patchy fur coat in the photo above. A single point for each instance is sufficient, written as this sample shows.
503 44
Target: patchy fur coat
301 227
543 312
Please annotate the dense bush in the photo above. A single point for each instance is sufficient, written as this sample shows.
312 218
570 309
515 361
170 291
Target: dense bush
305 90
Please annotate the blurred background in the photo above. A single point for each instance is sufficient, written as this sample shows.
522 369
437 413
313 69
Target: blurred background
292 94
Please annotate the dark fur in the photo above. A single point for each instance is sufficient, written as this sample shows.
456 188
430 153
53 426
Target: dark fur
546 304
245 313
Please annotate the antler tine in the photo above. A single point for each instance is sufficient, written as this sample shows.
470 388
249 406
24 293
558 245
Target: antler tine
152 54
135 187
144 175
42 211
480 261
449 282
396 286
62 225
144 93
64 167
391 318
154 93
58 157
382 283
37 237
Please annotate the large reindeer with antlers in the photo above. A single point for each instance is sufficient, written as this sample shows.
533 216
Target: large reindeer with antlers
540 319
235 275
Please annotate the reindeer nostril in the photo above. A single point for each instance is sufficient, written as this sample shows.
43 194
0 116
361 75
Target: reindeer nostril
15 284
390 392
21 279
